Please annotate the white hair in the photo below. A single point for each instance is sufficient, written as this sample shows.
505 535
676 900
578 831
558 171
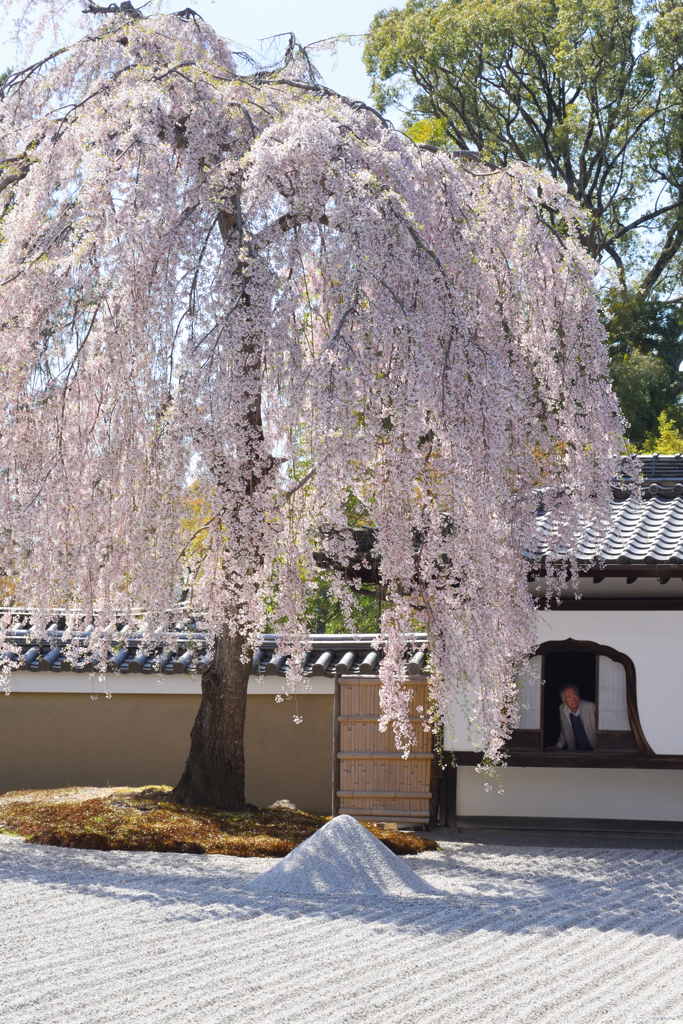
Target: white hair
570 686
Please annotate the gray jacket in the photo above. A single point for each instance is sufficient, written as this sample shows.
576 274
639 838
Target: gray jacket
587 716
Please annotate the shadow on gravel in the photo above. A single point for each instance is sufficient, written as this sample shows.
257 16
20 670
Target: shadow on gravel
636 891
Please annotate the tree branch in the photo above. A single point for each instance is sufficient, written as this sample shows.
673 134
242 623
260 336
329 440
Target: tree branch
298 485
672 245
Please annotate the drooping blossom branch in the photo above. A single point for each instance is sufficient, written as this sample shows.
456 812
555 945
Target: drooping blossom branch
210 281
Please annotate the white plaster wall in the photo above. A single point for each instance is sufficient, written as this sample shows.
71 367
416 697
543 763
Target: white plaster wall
653 640
625 793
74 682
457 731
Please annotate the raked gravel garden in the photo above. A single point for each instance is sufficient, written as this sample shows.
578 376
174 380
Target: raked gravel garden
342 930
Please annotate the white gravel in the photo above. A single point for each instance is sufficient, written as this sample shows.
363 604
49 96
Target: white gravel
520 935
343 857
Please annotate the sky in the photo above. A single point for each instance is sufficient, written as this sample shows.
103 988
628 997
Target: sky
254 20
250 22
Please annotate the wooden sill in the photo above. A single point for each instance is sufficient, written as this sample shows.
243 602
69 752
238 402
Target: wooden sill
576 759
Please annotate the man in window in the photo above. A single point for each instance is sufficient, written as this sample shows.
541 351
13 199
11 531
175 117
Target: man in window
577 722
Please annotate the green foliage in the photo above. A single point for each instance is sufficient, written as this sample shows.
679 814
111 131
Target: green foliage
431 131
324 611
644 338
587 90
641 382
668 440
591 92
635 323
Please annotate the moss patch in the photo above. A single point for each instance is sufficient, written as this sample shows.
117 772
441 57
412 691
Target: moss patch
143 819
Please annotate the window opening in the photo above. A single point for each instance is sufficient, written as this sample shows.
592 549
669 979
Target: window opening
565 668
601 675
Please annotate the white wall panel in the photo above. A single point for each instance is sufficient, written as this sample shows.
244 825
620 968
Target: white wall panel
627 793
458 733
75 682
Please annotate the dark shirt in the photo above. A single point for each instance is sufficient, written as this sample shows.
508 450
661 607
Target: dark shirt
582 741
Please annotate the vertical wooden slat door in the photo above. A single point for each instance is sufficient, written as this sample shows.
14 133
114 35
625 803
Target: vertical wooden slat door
372 779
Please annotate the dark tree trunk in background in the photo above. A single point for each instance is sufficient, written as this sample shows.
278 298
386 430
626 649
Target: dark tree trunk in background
214 770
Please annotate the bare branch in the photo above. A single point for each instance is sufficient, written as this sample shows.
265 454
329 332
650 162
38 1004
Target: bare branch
297 487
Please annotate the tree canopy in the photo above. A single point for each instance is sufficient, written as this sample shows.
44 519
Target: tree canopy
252 293
589 91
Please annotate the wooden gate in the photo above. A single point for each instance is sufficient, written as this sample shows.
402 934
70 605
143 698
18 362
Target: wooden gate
372 779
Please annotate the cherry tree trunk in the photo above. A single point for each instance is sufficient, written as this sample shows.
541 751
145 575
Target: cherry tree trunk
214 770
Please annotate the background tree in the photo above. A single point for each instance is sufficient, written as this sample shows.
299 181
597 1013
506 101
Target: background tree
590 91
645 350
667 440
235 309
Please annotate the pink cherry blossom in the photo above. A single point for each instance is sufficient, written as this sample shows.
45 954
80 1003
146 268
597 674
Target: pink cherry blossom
255 296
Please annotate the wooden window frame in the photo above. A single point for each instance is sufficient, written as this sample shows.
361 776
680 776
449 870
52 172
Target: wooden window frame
576 646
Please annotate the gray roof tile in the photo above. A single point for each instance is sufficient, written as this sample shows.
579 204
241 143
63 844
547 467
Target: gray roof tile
330 655
646 532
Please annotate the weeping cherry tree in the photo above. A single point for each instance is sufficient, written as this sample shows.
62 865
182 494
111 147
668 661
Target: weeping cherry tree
232 307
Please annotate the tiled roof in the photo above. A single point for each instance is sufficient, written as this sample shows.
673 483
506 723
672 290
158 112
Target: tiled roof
649 533
646 532
330 655
662 468
335 654
183 652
